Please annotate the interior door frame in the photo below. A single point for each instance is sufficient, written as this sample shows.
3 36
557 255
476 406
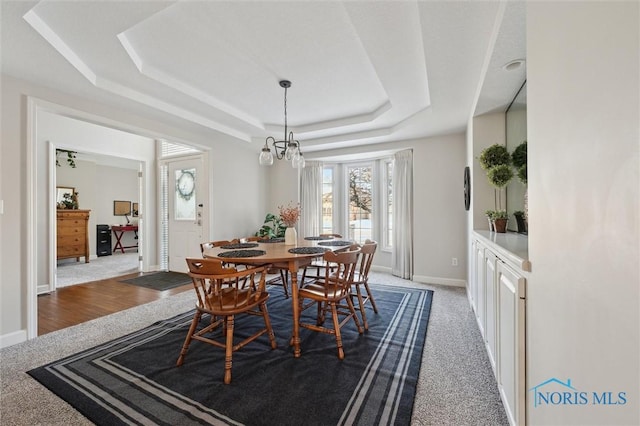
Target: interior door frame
33 202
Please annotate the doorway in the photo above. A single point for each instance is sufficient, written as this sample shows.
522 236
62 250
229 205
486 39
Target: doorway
185 201
52 126
102 184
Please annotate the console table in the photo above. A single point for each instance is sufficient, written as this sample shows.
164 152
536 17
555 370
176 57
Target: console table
118 232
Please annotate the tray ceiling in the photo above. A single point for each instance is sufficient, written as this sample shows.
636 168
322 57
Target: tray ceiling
362 72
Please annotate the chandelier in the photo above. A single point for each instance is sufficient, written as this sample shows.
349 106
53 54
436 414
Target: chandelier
289 148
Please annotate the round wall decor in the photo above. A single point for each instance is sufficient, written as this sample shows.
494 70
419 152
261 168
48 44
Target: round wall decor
467 188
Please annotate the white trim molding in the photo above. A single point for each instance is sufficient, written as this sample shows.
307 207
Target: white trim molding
439 280
13 338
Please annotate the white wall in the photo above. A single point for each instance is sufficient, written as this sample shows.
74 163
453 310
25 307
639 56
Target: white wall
583 307
69 133
439 215
98 186
239 186
488 129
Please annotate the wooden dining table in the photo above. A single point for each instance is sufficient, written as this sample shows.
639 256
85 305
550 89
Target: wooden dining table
278 254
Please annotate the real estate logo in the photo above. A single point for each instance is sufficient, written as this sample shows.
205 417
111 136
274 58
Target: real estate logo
557 392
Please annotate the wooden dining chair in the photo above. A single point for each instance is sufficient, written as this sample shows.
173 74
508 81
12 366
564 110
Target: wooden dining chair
211 244
220 294
361 280
282 269
330 294
317 263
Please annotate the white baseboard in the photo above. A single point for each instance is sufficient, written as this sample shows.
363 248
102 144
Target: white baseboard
381 269
425 279
439 280
14 338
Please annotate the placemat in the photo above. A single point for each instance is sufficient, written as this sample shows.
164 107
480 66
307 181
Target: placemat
242 253
335 243
239 246
317 238
272 240
307 250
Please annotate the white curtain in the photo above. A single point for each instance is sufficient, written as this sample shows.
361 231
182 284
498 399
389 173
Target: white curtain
402 253
311 199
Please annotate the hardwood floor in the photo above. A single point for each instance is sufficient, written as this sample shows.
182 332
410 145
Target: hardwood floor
75 304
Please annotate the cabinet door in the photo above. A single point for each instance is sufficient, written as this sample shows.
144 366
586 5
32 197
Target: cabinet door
491 325
480 288
471 290
511 342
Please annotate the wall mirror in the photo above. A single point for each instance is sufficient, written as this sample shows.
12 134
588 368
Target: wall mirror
61 191
516 131
122 208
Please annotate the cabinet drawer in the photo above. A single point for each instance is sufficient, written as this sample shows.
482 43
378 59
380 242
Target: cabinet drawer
71 250
64 240
63 232
64 223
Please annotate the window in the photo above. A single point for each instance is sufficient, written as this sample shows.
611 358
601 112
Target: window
327 200
388 203
357 201
360 210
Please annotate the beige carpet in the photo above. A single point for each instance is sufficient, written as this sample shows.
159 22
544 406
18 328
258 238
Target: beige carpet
69 272
455 386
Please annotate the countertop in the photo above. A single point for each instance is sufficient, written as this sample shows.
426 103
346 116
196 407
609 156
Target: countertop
511 246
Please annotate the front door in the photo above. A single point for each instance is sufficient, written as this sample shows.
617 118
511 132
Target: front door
187 196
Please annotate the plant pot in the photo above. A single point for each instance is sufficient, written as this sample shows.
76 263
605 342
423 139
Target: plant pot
500 225
290 236
522 224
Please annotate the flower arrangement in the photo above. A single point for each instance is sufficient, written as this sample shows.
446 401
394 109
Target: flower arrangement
290 214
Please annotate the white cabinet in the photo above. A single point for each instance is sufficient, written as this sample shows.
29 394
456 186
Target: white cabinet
491 337
511 329
498 298
480 288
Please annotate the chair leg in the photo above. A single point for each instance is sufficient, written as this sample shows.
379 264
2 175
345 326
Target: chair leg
352 309
228 350
362 310
373 302
187 341
267 324
336 327
284 275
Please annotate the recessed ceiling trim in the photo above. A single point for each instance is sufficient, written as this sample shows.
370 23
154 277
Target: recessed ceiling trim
341 122
183 87
63 48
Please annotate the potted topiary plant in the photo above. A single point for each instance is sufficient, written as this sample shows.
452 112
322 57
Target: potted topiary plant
500 220
490 215
496 161
519 160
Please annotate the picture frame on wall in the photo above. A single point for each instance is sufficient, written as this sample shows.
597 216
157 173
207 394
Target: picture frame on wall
121 208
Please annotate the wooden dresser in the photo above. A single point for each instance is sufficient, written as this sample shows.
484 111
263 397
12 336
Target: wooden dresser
73 234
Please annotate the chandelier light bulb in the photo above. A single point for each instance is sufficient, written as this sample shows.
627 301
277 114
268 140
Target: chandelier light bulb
291 151
266 158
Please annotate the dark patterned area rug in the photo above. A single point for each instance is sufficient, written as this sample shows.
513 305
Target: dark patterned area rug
134 380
